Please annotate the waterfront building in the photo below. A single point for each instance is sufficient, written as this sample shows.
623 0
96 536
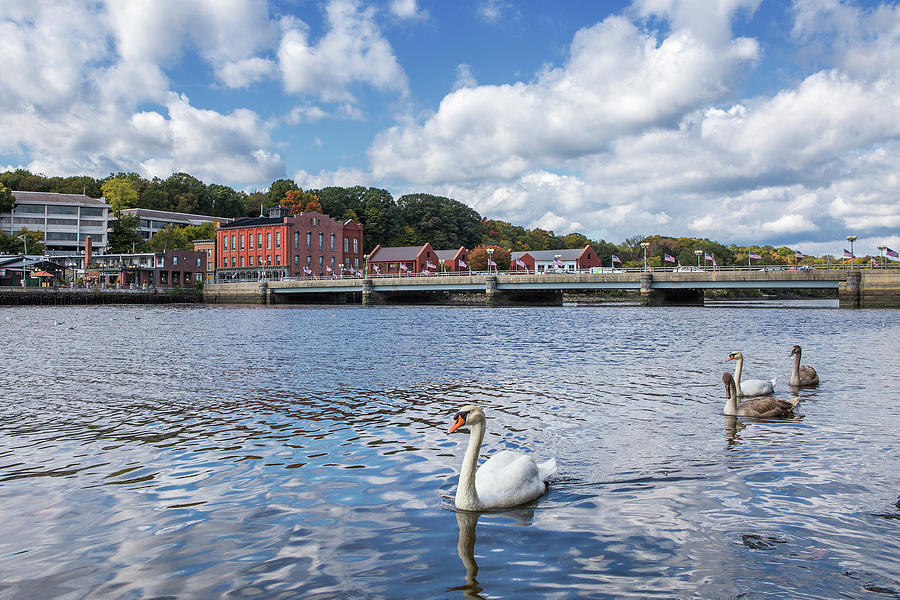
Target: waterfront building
168 269
209 247
450 259
542 261
150 221
64 220
284 245
403 260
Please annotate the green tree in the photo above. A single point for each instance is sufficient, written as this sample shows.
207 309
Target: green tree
170 238
124 235
226 202
120 194
278 191
7 200
444 223
11 244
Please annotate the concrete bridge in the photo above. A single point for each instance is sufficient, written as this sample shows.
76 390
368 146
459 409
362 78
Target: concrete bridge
869 288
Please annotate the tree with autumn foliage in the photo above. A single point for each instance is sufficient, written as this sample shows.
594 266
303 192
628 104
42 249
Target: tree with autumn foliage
477 259
299 201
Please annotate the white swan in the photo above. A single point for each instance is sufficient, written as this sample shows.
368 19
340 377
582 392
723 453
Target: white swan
506 479
750 387
802 374
764 407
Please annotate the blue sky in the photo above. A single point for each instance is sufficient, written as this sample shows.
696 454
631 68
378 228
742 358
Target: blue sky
746 121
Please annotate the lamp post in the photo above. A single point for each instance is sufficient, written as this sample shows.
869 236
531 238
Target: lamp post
366 257
699 253
490 254
24 239
882 248
645 245
851 239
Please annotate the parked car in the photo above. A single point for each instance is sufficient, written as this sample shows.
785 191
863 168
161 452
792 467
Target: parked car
687 269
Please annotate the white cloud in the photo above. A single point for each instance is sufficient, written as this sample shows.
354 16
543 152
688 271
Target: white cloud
618 80
341 177
493 11
407 9
353 51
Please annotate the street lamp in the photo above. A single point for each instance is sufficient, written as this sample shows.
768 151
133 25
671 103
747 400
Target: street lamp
699 253
851 239
490 253
366 257
645 245
882 248
24 239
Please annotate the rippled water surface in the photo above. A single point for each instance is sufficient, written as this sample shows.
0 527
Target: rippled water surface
294 452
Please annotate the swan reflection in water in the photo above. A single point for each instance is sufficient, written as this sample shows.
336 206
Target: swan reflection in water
465 546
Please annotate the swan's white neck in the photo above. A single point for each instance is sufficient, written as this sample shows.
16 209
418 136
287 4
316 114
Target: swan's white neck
466 495
738 367
795 371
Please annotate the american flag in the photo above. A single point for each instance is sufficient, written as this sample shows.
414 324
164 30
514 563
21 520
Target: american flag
891 253
801 255
519 262
430 264
615 259
492 263
328 270
307 270
669 258
557 262
874 262
706 256
462 263
377 270
403 267
847 254
755 256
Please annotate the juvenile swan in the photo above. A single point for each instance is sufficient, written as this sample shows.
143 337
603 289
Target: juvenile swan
763 407
750 387
506 479
802 374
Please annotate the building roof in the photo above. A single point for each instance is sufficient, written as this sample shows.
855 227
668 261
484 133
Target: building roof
396 253
171 216
447 254
566 254
56 198
252 222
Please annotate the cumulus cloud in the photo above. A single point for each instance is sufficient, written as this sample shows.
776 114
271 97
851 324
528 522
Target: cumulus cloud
353 51
407 9
618 80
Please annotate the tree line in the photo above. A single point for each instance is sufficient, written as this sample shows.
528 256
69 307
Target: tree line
410 220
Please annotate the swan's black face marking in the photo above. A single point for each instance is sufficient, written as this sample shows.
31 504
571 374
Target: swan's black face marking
461 415
459 419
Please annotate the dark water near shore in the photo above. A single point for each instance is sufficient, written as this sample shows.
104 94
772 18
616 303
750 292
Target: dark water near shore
206 452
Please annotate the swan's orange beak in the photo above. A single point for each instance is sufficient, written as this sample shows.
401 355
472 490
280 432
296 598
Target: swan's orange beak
458 422
730 357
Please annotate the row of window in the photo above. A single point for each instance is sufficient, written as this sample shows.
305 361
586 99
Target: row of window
259 242
39 209
164 277
240 261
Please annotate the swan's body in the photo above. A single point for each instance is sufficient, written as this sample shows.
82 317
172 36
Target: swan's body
761 407
802 374
506 479
750 387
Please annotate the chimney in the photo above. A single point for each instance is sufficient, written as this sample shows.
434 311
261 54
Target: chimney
87 251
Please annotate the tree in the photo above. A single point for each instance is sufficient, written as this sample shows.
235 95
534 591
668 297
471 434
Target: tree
444 223
11 244
120 194
7 200
299 201
278 191
477 259
226 202
124 235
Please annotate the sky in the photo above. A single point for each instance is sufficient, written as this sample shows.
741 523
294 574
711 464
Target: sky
743 121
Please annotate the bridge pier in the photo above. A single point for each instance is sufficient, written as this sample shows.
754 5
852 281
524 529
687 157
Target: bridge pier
849 291
369 296
670 296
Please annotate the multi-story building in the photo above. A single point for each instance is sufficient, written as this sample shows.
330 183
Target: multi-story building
209 247
168 269
284 245
151 221
65 220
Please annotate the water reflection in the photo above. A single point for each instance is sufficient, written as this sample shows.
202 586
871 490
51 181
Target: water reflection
467 521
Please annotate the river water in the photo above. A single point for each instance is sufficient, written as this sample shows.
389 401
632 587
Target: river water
296 452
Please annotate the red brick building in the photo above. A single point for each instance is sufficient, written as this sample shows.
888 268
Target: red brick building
451 259
284 245
540 261
403 260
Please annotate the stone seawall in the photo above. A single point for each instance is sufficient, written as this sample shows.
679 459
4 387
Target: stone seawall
66 296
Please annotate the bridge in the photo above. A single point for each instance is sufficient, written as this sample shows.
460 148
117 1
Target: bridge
857 288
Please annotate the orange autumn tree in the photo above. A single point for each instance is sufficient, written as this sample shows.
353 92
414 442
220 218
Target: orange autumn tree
299 201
